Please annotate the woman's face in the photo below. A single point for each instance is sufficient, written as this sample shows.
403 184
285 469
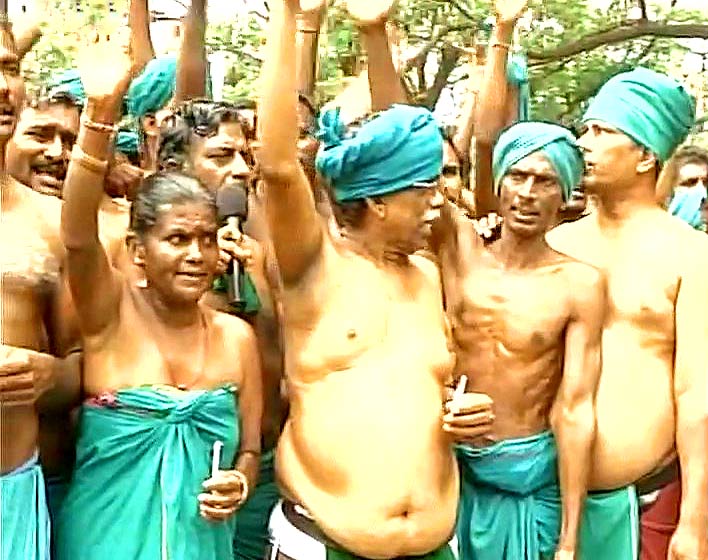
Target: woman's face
181 253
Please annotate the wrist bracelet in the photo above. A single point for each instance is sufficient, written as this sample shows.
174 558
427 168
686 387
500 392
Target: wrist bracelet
106 128
250 452
500 45
307 30
88 162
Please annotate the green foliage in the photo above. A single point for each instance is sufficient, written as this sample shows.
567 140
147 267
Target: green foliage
435 29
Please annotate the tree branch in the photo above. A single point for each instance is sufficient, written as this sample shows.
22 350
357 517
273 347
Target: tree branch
618 35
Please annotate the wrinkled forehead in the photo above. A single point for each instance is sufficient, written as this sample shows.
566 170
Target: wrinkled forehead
56 115
693 170
228 134
536 163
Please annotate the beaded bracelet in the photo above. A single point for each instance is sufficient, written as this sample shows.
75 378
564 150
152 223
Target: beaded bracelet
499 44
105 128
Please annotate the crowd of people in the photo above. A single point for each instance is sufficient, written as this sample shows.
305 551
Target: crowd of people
268 330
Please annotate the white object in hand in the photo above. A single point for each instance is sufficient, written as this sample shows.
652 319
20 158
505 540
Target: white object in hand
457 395
216 457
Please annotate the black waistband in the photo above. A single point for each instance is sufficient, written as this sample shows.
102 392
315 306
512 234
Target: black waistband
306 524
659 478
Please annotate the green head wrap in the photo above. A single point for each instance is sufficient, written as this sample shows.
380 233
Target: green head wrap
391 151
555 142
651 108
69 83
127 142
151 90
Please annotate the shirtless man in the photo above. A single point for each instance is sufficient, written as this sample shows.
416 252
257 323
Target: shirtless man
526 322
32 330
363 461
652 400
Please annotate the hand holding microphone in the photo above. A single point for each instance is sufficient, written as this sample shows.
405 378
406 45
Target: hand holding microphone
232 205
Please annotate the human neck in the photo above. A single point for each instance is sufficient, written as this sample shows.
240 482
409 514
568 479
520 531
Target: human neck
517 252
171 313
615 207
372 247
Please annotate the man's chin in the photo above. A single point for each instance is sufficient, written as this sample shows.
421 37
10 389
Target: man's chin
47 186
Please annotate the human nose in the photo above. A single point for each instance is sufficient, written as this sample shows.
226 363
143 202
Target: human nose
194 251
525 189
437 200
55 149
239 167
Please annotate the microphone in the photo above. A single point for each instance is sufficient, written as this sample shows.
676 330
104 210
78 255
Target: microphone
232 206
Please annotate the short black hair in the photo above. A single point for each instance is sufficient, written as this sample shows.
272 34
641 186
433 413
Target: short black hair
691 154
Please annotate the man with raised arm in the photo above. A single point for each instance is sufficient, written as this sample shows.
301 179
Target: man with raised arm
364 461
652 400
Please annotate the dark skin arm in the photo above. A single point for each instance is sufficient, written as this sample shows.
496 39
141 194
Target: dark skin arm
192 62
289 202
384 81
494 103
691 400
95 285
574 408
141 47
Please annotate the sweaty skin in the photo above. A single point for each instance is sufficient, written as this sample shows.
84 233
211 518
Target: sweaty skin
30 259
635 405
526 323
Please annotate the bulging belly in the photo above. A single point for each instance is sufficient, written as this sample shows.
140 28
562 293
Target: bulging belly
636 419
19 427
365 453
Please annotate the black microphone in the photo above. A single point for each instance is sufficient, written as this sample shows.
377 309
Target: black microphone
232 206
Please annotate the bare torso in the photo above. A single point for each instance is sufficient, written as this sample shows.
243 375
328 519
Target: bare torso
635 411
508 327
363 448
141 350
30 262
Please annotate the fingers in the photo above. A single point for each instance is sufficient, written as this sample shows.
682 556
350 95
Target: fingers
215 514
224 482
468 420
15 366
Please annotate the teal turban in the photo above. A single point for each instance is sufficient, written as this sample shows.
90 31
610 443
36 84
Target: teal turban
152 90
127 142
686 205
651 108
517 74
69 83
555 142
391 151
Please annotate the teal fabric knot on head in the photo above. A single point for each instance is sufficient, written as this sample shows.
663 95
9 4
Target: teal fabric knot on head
651 108
153 88
555 142
390 152
68 83
517 74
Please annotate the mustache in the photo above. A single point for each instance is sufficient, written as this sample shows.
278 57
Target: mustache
57 170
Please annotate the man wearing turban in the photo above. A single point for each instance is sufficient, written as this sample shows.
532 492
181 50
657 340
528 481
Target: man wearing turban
365 465
652 401
526 322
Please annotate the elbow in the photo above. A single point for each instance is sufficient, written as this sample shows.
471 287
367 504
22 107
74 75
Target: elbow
577 416
279 172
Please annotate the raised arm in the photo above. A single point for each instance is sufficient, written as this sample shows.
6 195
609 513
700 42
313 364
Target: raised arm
192 63
492 111
105 73
384 82
691 399
574 422
141 48
295 227
309 22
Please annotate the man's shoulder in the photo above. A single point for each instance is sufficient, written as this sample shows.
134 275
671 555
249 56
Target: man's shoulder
231 329
564 236
584 281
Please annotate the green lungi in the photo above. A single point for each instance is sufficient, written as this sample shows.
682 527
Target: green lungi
142 457
24 529
251 534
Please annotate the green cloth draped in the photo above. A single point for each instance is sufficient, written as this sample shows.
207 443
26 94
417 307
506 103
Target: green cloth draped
251 534
517 74
651 108
442 553
555 142
686 205
610 527
392 150
510 500
250 302
153 88
510 506
24 521
141 460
